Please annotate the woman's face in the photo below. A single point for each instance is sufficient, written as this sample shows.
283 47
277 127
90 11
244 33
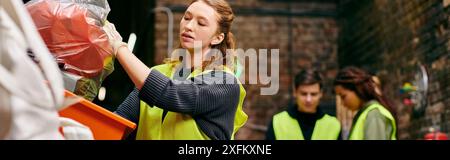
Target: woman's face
348 97
199 23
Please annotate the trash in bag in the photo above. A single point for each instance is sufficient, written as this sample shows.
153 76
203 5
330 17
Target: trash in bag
72 31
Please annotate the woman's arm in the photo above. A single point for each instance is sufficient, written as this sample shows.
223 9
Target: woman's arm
189 98
136 70
209 94
130 108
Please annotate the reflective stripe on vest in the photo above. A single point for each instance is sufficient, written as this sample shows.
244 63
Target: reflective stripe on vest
288 128
177 126
357 133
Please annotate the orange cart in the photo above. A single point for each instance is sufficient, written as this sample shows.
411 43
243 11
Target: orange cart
104 124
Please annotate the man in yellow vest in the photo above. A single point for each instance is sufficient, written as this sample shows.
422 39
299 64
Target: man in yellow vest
304 120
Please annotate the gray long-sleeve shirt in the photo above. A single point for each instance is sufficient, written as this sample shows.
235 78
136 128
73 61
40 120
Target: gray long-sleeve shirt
212 100
377 126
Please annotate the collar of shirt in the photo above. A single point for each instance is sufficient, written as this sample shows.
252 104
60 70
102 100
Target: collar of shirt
294 113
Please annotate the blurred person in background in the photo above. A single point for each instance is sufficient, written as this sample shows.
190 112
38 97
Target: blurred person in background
304 120
359 92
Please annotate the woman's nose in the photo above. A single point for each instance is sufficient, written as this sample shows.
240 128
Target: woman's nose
189 26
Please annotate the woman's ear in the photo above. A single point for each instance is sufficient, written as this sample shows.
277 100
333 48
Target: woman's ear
217 39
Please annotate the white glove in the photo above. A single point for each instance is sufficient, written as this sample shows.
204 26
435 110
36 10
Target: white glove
115 40
73 130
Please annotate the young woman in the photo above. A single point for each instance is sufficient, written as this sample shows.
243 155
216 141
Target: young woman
360 93
180 100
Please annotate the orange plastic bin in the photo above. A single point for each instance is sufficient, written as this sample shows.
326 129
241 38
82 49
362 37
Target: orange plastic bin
104 124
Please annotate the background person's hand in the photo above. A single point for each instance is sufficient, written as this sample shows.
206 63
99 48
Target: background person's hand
115 40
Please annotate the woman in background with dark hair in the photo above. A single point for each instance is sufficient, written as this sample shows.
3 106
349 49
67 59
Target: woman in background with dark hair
358 91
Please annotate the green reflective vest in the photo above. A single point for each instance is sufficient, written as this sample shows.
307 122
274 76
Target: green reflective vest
357 132
288 128
178 126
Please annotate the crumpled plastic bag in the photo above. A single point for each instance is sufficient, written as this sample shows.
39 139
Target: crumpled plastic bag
72 31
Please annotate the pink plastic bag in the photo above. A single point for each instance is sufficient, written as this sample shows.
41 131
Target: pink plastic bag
72 31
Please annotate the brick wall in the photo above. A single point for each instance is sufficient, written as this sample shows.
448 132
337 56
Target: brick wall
305 33
392 38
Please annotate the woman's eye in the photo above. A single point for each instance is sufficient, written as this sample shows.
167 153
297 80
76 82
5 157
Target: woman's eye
201 24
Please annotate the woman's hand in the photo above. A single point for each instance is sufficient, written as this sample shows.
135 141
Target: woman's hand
115 40
136 70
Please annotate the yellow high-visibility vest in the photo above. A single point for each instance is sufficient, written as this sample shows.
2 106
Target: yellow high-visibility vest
357 133
288 128
178 126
